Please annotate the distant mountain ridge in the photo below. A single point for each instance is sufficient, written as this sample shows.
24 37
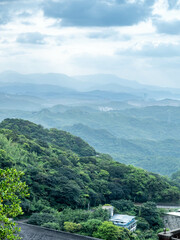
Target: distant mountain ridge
106 82
19 102
138 126
49 78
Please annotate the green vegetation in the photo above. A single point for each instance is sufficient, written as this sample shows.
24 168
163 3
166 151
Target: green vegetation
95 223
60 139
145 137
109 231
12 189
64 171
91 223
66 177
176 178
149 212
157 156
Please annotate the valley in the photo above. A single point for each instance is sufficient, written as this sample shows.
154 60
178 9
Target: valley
134 123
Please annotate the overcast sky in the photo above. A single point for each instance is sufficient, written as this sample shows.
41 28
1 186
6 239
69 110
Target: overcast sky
134 39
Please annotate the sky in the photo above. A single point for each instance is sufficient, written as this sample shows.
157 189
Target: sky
133 39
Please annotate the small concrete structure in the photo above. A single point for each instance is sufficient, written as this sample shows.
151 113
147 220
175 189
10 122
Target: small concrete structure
170 235
125 221
172 220
109 208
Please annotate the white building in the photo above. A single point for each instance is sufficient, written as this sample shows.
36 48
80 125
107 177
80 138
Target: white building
125 221
121 220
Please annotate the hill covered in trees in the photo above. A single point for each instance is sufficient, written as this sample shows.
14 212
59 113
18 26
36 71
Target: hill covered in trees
146 137
63 170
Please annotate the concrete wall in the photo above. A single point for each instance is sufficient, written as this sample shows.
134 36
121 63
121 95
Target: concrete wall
171 222
170 235
31 232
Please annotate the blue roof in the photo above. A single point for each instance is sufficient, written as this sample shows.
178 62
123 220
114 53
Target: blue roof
123 219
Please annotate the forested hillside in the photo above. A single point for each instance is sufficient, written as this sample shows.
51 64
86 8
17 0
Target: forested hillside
63 170
161 156
144 137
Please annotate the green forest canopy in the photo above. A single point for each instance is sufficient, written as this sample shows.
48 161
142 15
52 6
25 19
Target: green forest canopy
63 170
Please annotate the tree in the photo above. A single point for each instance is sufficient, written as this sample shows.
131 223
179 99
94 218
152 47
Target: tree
123 205
91 226
108 231
142 224
72 227
12 189
150 213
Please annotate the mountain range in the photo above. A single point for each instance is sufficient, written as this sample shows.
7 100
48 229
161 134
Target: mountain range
135 123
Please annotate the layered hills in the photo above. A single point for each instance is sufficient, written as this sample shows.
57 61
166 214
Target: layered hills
145 137
134 123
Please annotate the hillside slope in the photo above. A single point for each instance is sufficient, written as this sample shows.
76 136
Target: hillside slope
157 156
145 137
63 170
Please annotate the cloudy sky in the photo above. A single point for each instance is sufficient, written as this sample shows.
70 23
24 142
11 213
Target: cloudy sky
134 39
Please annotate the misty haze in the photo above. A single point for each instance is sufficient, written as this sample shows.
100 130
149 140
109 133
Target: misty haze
90 119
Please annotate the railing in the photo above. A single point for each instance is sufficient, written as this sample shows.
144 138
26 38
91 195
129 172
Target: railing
170 235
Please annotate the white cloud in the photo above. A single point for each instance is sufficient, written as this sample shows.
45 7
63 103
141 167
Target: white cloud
32 41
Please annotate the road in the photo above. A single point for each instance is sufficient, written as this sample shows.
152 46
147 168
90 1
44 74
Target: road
162 206
168 207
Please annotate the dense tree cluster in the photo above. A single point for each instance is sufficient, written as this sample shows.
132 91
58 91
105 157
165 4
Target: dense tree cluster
12 189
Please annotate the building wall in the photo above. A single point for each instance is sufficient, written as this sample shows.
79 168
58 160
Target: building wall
131 225
171 222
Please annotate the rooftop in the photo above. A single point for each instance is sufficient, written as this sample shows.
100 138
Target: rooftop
29 232
122 218
177 214
107 207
